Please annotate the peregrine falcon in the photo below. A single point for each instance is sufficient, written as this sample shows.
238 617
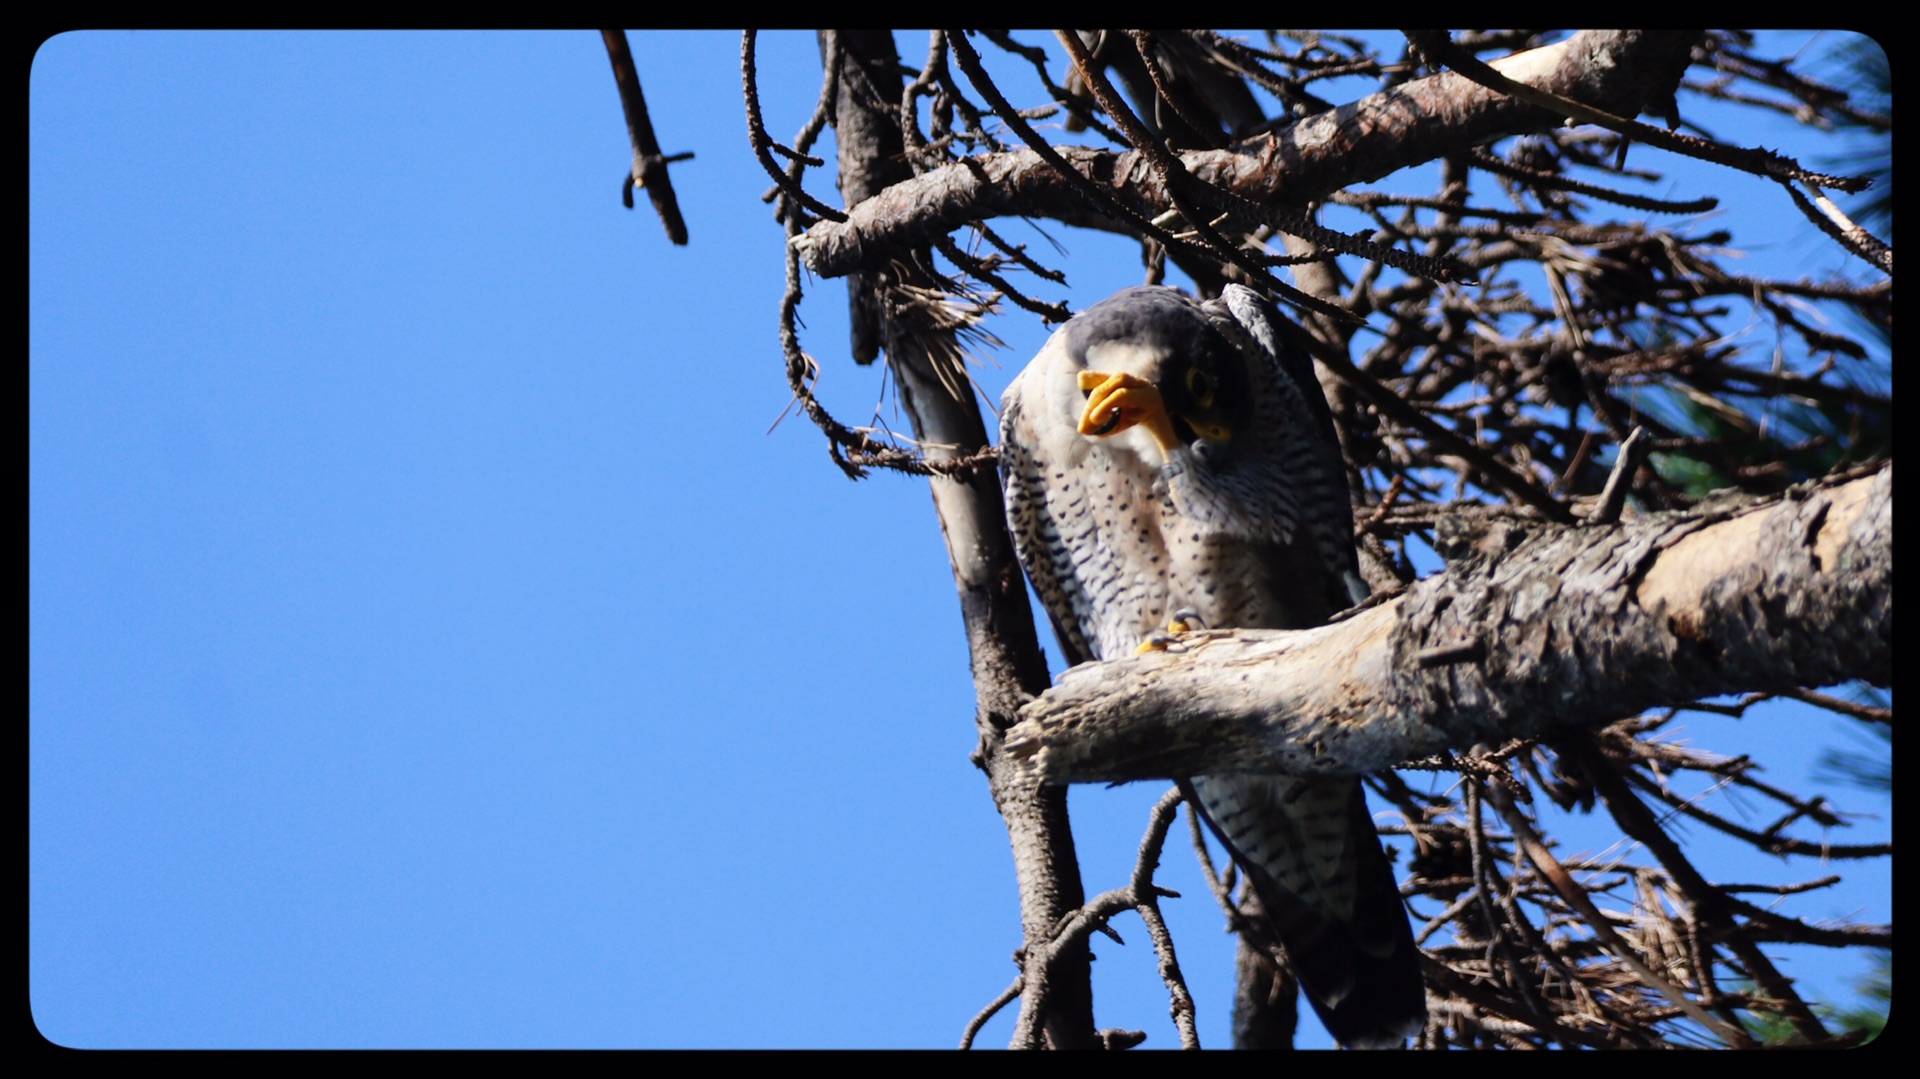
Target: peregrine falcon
1168 456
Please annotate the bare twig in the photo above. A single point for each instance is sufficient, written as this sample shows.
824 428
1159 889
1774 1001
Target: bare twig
1758 162
1834 222
1576 897
1844 707
763 144
1614 498
649 165
1007 996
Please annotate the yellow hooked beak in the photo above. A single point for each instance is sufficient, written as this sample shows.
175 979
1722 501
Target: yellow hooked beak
1118 401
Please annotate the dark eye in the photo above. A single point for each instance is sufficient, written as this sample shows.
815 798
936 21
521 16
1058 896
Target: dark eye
1200 387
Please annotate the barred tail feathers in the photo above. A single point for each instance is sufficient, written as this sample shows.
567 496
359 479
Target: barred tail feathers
1310 851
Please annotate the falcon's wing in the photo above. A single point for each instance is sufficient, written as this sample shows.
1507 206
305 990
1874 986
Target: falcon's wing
1302 438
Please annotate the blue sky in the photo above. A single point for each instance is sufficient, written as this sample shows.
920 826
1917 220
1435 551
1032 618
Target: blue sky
431 645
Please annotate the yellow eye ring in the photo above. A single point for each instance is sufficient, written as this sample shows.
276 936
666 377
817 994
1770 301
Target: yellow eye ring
1200 387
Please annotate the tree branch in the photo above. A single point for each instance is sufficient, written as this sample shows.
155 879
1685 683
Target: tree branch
649 164
1394 129
1008 667
1531 633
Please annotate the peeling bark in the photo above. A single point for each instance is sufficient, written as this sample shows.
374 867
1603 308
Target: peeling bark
1532 633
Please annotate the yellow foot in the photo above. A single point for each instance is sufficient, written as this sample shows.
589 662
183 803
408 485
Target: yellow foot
1156 642
1119 401
1185 620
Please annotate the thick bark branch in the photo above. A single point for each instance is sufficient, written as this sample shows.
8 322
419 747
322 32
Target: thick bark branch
1008 666
1397 128
1533 632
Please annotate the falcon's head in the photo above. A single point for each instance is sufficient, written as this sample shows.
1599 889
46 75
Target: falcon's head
1149 358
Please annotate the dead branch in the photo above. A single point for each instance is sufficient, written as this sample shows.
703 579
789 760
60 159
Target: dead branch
649 164
1363 141
1670 607
1056 997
